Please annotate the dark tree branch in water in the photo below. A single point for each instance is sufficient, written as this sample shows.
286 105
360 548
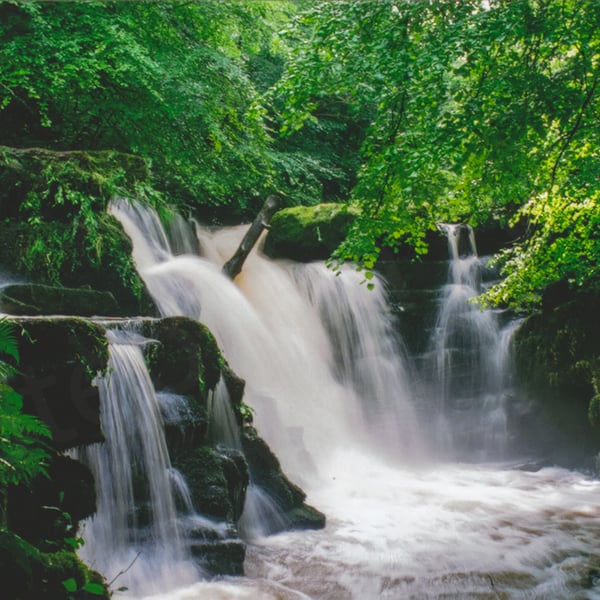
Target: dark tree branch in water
234 265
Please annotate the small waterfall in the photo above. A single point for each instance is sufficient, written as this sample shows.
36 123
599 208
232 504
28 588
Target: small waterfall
136 521
469 357
223 427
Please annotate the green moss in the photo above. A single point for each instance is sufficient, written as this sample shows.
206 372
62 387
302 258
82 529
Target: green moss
307 233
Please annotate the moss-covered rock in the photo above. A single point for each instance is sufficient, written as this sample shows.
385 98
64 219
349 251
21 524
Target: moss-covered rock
53 223
37 299
217 480
60 357
556 356
187 360
27 173
306 233
265 471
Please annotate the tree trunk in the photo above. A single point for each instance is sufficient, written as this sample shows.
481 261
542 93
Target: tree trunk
234 265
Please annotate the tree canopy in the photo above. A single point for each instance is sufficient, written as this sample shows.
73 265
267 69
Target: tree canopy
169 81
480 112
417 112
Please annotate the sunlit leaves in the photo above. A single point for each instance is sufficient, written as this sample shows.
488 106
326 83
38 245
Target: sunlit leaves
479 112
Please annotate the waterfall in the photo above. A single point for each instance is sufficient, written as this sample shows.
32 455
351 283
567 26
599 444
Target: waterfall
469 358
334 398
136 519
295 322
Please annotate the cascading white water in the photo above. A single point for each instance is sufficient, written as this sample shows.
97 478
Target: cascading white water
285 352
136 520
469 349
397 527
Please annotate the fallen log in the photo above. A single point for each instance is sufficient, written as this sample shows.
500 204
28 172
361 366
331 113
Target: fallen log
234 265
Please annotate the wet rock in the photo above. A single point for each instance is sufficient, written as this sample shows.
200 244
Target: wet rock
221 558
37 299
265 471
60 358
217 480
187 360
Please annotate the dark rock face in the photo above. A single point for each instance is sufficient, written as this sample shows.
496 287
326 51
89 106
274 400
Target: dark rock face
187 360
266 472
217 479
59 361
36 299
557 355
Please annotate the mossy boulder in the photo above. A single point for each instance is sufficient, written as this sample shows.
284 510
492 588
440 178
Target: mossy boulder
60 358
217 480
187 359
265 471
306 233
53 223
184 361
36 299
557 357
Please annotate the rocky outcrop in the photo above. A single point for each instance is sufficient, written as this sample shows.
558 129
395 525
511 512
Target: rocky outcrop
36 299
60 358
557 356
265 471
53 223
306 233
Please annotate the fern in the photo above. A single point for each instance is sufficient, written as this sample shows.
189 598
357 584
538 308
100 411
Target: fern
23 452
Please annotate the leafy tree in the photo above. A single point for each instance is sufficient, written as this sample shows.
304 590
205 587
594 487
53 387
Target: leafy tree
165 80
481 112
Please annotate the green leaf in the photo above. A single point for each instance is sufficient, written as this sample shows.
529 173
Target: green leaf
70 585
94 588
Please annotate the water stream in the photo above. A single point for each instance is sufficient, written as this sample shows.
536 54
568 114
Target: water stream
422 501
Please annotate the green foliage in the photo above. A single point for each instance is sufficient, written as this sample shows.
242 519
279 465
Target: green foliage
22 453
477 113
165 80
